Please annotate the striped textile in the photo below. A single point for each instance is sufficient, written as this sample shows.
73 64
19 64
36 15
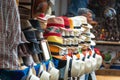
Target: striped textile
9 34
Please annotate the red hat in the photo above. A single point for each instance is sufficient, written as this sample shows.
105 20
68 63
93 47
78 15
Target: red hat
66 22
55 21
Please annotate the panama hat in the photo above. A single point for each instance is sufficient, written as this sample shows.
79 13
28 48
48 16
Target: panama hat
53 71
99 61
43 74
31 76
88 65
89 26
91 35
73 68
92 43
82 65
67 67
94 63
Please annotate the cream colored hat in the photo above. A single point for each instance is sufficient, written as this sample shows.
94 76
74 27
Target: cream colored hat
82 65
31 76
53 71
92 43
79 20
66 69
43 74
99 61
94 63
88 65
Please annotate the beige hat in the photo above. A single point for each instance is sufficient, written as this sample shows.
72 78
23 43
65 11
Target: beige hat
82 65
73 68
99 61
31 76
88 65
94 63
79 20
53 72
43 74
92 43
89 26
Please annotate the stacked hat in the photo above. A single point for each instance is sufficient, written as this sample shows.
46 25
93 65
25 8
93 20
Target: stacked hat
53 33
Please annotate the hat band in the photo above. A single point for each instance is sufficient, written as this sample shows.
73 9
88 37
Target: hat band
54 24
54 43
77 27
52 34
55 53
69 69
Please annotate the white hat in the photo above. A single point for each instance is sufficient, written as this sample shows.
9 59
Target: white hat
79 20
92 43
53 71
88 65
43 74
94 63
99 61
76 68
89 26
31 76
82 65
87 34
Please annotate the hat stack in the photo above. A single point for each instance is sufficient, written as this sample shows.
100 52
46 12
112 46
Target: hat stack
53 34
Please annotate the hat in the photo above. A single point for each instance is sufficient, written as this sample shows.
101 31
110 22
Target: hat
99 61
34 48
66 23
25 25
91 35
36 24
30 36
54 40
82 65
92 43
35 58
28 60
71 23
88 65
94 63
52 31
89 26
78 21
39 35
57 22
31 76
53 71
73 68
56 50
43 74
23 38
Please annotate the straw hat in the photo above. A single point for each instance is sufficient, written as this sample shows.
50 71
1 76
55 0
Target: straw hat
43 74
53 71
31 76
88 65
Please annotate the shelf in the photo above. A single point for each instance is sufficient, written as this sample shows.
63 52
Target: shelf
110 72
108 42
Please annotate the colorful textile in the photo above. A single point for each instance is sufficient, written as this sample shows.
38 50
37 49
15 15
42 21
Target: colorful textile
9 34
